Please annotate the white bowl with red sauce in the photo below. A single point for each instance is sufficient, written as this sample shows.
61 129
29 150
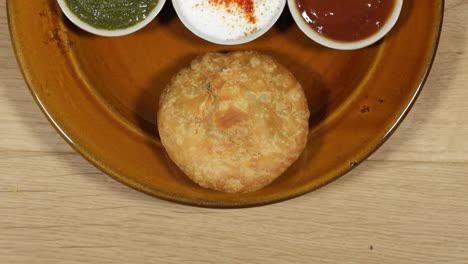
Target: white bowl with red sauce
345 24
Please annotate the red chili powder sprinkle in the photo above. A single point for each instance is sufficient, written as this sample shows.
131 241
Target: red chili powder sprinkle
246 5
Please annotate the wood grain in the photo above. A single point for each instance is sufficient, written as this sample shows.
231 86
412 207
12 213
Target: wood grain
407 204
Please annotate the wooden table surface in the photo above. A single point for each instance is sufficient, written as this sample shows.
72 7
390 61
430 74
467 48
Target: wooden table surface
407 204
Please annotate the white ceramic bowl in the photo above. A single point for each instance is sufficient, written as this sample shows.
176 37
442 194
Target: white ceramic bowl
206 33
110 33
327 42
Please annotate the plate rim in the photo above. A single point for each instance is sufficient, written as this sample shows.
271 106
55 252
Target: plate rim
222 205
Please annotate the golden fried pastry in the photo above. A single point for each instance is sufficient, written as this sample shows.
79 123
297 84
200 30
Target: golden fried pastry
233 122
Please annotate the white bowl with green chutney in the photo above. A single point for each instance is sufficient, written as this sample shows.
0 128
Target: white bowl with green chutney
111 18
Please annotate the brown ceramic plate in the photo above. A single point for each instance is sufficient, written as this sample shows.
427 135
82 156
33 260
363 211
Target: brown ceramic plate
101 94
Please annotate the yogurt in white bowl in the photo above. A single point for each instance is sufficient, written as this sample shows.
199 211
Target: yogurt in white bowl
229 22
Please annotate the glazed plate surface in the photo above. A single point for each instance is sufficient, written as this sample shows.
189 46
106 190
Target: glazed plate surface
101 94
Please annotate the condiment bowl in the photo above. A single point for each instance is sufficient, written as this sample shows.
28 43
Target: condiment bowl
327 42
110 33
208 35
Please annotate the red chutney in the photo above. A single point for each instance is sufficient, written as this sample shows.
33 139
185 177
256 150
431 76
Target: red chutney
346 20
246 5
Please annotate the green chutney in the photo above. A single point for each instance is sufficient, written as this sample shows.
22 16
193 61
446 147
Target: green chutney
111 14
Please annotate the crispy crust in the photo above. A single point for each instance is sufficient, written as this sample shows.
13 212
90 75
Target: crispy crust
233 122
